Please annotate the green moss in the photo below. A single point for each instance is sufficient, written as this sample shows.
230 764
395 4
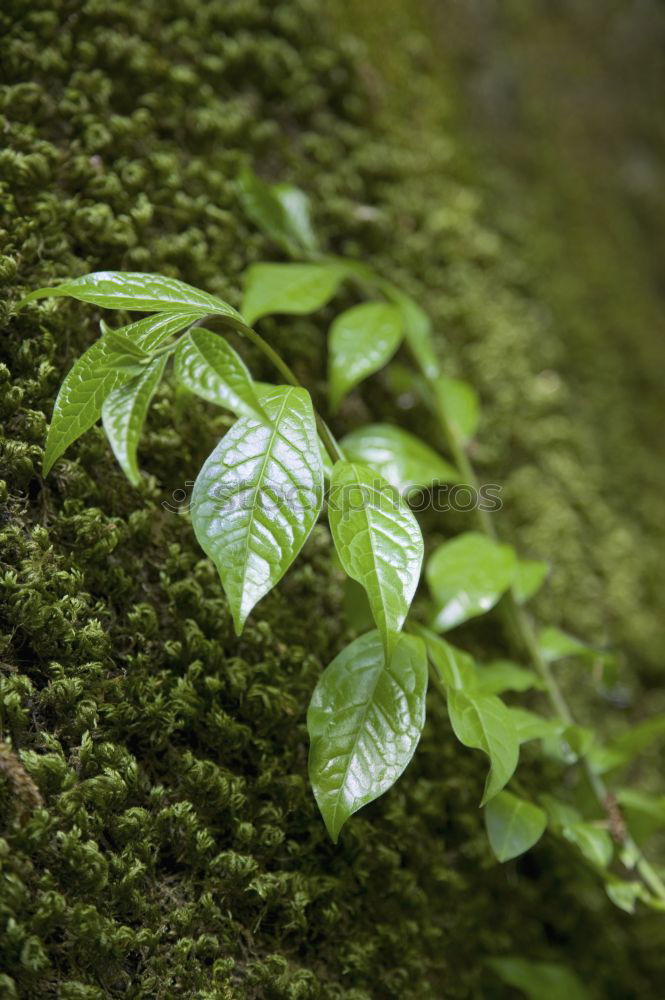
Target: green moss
159 838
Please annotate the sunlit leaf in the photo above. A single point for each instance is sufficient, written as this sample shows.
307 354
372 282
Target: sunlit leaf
123 414
361 341
93 378
513 825
378 542
530 575
258 496
295 289
467 577
207 364
460 404
539 980
136 291
364 722
484 723
401 458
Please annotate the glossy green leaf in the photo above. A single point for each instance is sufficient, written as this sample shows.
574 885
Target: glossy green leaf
467 577
461 406
539 980
295 289
207 364
455 667
124 345
123 415
484 723
417 330
258 496
281 211
530 575
513 825
92 378
503 675
364 722
361 341
401 458
378 542
136 291
593 842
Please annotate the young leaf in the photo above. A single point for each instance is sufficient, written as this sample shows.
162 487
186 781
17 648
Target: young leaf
86 386
529 578
417 330
258 496
295 289
364 722
378 542
455 667
502 675
625 894
136 291
539 980
297 211
460 404
467 577
361 341
124 345
401 458
513 825
280 210
531 726
207 364
123 414
594 843
484 723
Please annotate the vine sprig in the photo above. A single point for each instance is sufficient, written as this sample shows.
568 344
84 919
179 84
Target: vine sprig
262 489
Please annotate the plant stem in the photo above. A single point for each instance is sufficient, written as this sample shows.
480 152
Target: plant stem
523 627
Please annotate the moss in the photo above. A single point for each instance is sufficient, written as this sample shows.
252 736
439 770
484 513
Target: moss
159 838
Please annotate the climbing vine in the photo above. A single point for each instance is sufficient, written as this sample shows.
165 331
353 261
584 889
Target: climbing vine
263 488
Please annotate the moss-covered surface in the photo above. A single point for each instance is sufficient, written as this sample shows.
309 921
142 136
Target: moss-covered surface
158 836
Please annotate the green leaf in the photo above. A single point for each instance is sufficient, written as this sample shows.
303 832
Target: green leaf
624 894
298 214
92 378
503 675
136 291
460 404
401 458
455 667
378 542
281 211
207 364
629 745
467 577
539 980
555 645
529 578
484 723
531 726
361 341
295 289
364 722
124 345
513 825
650 806
258 496
124 412
417 330
594 843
